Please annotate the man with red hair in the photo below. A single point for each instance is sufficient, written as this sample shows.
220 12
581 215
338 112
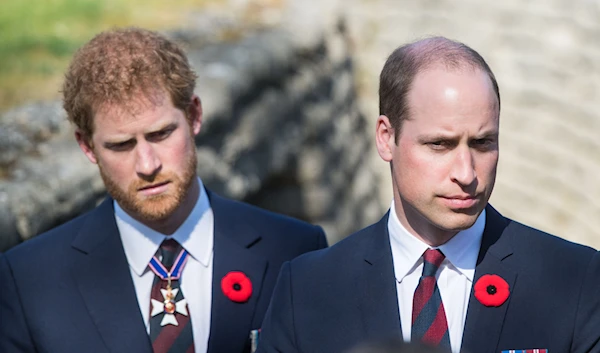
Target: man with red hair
163 264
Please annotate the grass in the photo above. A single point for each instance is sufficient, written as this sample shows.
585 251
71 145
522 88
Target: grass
38 37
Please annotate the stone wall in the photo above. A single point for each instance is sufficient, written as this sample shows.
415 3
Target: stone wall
546 57
281 130
284 128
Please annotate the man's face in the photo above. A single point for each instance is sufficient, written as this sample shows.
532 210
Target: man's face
147 159
444 165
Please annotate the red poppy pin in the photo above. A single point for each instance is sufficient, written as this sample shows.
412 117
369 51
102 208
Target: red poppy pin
491 290
236 286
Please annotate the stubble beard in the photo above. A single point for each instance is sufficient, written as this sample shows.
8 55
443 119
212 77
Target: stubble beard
155 207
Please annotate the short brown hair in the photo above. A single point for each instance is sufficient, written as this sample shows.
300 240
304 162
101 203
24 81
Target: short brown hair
116 66
408 60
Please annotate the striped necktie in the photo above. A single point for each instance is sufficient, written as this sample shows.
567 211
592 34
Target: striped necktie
170 325
429 324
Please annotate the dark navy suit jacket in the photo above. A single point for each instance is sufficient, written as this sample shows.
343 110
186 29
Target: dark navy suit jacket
70 290
332 299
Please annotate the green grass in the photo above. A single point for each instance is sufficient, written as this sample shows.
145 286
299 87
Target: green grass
38 37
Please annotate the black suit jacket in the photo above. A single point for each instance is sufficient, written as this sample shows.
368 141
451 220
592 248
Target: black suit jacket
330 300
70 290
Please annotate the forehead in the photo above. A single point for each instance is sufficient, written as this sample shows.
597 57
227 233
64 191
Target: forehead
143 110
436 79
438 92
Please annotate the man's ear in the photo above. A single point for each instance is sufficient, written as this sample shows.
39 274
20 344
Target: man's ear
86 146
195 114
385 138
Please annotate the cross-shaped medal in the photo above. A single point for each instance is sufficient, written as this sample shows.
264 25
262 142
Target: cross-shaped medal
169 306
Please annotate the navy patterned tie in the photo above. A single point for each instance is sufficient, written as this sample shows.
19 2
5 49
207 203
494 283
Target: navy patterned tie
429 324
170 325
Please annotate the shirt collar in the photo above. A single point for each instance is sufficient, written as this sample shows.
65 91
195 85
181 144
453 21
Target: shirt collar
195 235
461 251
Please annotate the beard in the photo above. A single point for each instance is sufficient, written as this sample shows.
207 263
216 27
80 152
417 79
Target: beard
154 207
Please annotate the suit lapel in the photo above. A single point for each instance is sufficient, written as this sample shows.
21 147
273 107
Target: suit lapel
104 280
231 322
484 324
377 285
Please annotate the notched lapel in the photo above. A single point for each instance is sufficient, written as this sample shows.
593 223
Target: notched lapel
231 322
377 285
484 324
102 274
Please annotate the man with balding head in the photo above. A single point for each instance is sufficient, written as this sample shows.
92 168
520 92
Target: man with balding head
442 267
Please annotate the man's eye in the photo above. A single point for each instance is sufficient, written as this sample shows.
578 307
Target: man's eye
160 135
121 146
438 144
484 143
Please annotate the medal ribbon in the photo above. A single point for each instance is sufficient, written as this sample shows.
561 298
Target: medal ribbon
159 269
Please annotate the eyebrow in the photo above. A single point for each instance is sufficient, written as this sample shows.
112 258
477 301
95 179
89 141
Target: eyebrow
117 141
110 144
487 134
168 126
445 136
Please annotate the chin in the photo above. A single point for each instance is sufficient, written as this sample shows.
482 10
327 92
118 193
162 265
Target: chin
156 209
459 222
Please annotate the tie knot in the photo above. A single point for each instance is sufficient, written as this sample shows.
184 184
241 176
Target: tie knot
168 250
170 244
432 259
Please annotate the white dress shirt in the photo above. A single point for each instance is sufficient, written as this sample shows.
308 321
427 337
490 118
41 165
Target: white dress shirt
454 277
196 235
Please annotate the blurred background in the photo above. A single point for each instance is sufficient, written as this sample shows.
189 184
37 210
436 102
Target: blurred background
290 94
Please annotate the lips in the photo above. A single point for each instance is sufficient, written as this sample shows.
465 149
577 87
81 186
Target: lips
460 197
154 189
153 186
460 201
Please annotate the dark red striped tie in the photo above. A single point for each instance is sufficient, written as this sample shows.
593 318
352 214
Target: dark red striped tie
169 337
429 324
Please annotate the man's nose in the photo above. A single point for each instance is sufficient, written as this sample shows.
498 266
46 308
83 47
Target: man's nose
463 167
147 160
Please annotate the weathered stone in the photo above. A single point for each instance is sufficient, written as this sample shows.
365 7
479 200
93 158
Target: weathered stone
545 57
13 144
267 99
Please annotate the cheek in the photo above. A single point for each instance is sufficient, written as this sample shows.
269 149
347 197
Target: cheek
487 166
177 154
117 169
418 166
